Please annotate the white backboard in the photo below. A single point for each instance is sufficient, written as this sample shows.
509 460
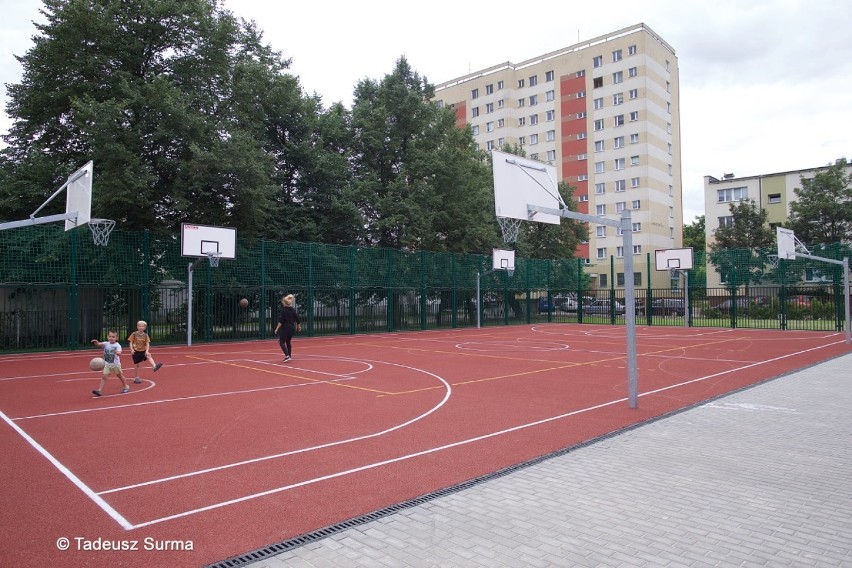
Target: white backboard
673 259
519 182
78 196
199 240
786 243
503 259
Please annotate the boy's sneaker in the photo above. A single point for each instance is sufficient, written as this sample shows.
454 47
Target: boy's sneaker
287 358
157 367
137 381
125 390
96 392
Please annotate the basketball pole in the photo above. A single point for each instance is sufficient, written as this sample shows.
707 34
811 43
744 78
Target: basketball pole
845 264
626 226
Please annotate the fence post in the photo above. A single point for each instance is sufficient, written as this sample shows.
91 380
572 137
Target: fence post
648 294
74 298
262 324
146 278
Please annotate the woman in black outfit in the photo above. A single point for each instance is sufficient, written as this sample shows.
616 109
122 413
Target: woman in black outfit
288 325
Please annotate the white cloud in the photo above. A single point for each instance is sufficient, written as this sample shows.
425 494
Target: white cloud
763 84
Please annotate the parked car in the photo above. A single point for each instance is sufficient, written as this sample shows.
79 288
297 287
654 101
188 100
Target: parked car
603 307
668 307
743 304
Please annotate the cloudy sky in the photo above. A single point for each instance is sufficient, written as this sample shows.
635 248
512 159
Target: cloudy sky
765 84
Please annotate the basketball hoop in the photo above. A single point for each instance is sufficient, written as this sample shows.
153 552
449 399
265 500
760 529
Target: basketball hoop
510 228
101 229
214 257
773 260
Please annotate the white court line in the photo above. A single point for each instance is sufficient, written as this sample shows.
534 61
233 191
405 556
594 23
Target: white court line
454 444
107 508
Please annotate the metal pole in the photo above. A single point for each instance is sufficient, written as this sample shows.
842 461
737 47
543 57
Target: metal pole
189 305
685 298
630 310
846 298
478 299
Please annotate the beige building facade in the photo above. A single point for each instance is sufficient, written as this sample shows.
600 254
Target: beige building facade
605 112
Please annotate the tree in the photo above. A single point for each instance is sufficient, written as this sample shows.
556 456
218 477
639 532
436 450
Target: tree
822 212
694 235
420 182
739 248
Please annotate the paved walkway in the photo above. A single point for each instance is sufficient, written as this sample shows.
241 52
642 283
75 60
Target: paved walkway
762 477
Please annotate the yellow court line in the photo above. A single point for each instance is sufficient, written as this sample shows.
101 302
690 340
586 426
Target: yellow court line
289 375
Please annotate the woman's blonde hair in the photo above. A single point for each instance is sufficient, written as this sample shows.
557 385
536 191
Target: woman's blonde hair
288 300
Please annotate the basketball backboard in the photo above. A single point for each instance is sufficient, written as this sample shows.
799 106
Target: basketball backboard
78 197
503 259
673 259
519 182
200 241
786 243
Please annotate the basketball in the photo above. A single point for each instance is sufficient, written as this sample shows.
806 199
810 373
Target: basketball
243 303
96 364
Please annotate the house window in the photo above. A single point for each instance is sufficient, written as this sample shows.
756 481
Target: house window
619 253
618 120
533 139
631 50
620 185
618 77
601 230
489 107
599 124
597 82
620 206
617 98
474 112
582 135
489 89
499 85
599 145
774 198
634 160
550 115
598 103
636 204
597 61
581 114
634 138
500 103
619 163
533 100
616 55
476 130
619 141
726 221
602 280
501 122
632 72
582 157
600 188
522 102
637 227
489 145
489 126
520 83
581 95
602 252
474 94
732 194
522 121
599 167
522 140
581 177
634 182
601 209
551 155
550 95
501 141
637 276
634 116
533 80
551 135
533 119
583 198
548 75
633 94
581 73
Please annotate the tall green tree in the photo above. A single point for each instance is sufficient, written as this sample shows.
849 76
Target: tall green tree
739 249
421 182
822 212
163 96
694 235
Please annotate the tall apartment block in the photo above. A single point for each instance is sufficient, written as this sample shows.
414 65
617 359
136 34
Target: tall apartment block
605 112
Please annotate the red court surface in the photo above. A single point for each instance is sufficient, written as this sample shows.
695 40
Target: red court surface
227 449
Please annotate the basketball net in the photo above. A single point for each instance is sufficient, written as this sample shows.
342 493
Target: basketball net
101 228
510 228
214 257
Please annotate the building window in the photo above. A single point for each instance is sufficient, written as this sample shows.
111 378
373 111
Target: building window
550 115
620 185
597 61
489 107
533 119
599 145
476 130
601 230
501 122
726 221
633 94
600 188
520 83
582 135
533 100
548 75
635 204
634 138
617 98
602 252
619 253
499 85
597 82
669 127
668 87
489 89
602 280
551 155
581 73
632 72
618 77
634 116
599 167
634 182
601 209
637 276
582 156
501 141
637 227
620 206
489 145
534 156
474 94
634 160
732 194
581 177
533 80
616 55
619 141
474 112
522 121
551 135
533 139
583 198
618 120
581 114
489 126
631 50
500 103
550 95
599 124
619 163
598 103
522 102
522 140
774 198
581 95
